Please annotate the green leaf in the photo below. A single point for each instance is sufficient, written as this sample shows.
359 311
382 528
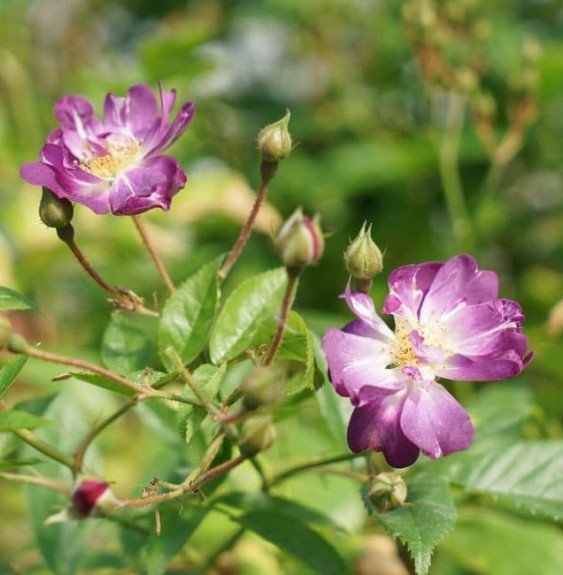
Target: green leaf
103 382
9 371
295 537
190 417
11 420
527 475
15 463
259 501
336 413
11 299
296 346
125 345
177 528
487 542
428 515
252 302
188 315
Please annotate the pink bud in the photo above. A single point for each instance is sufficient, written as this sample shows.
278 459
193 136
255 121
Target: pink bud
86 496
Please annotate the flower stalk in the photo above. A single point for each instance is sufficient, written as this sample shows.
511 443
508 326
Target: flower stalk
267 172
287 304
147 243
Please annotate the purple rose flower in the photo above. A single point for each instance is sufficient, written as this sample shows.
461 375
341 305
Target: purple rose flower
114 164
449 323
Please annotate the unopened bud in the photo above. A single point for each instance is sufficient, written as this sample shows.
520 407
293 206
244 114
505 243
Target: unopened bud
55 212
387 491
263 386
300 241
363 258
90 496
274 140
258 434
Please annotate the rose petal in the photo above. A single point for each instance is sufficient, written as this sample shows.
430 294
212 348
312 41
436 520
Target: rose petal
376 426
356 361
150 185
408 286
458 280
434 421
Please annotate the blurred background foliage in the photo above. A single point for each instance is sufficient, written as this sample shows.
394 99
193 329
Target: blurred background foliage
390 100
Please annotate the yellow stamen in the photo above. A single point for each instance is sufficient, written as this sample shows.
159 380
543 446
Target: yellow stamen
117 158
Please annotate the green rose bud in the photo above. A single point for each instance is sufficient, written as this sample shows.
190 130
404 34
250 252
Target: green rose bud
55 212
387 491
274 140
362 257
258 434
300 241
263 386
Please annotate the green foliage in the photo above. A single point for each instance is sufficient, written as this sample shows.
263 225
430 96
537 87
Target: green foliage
9 371
208 378
296 346
14 419
126 346
294 536
252 302
427 517
526 475
188 315
11 299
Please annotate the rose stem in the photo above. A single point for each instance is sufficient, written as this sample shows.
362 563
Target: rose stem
267 172
449 170
43 481
288 299
42 446
185 488
66 234
80 364
320 462
141 228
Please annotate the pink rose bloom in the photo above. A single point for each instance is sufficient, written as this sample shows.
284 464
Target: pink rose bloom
114 164
449 323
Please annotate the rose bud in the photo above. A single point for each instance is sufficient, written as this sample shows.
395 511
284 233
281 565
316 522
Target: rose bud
387 491
274 140
55 212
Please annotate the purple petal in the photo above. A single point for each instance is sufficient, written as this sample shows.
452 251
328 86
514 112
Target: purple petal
484 368
458 280
376 426
136 114
362 305
434 421
170 134
80 127
408 286
38 174
480 329
150 185
355 362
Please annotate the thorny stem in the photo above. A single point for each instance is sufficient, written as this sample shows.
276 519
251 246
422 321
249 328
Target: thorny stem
191 487
82 364
80 451
141 228
267 172
43 481
319 462
42 446
188 378
123 298
288 299
66 234
449 170
82 447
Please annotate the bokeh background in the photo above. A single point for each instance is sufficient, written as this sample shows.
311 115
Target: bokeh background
395 107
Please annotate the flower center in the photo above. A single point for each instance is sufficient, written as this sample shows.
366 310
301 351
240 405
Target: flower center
403 350
118 157
419 347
